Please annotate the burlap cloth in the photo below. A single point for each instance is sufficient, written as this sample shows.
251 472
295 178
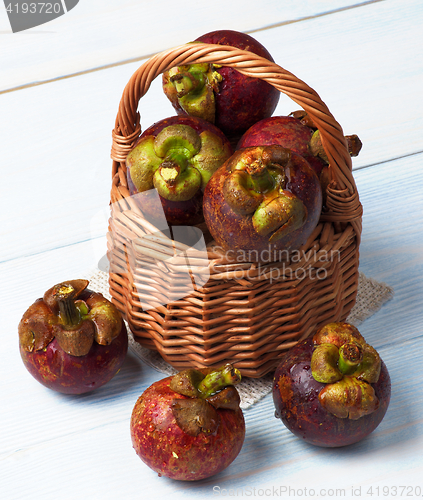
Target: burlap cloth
371 296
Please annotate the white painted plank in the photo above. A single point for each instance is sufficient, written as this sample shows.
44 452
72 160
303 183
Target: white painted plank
392 244
97 33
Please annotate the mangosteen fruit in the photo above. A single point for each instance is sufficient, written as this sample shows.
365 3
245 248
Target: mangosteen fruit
221 94
72 340
176 156
189 426
262 200
296 132
332 389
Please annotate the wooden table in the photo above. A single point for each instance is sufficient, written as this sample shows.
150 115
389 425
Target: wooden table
60 87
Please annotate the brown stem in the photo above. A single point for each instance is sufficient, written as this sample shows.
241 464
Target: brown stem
65 297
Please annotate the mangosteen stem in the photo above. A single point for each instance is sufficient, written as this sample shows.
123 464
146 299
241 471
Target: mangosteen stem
178 158
257 162
262 182
175 163
354 144
350 356
65 296
185 83
218 380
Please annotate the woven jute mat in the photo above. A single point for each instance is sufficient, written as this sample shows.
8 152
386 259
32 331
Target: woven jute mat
371 296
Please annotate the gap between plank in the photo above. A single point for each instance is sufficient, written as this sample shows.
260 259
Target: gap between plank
322 14
387 161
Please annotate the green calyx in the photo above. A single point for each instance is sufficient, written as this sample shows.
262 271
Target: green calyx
193 87
350 357
348 365
256 188
324 364
349 398
206 392
175 183
104 316
197 384
278 216
316 148
212 155
178 162
239 193
177 139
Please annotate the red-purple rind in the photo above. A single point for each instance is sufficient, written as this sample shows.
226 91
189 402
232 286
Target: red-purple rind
285 131
241 100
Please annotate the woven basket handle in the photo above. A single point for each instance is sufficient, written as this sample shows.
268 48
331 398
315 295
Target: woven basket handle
342 197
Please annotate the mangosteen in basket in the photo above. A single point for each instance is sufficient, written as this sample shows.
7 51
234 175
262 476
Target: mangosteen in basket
176 156
296 132
221 94
262 200
332 389
190 426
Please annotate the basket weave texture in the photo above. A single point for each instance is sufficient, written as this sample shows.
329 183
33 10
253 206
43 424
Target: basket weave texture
245 313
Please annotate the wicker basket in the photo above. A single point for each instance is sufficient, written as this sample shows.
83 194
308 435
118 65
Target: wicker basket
244 313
